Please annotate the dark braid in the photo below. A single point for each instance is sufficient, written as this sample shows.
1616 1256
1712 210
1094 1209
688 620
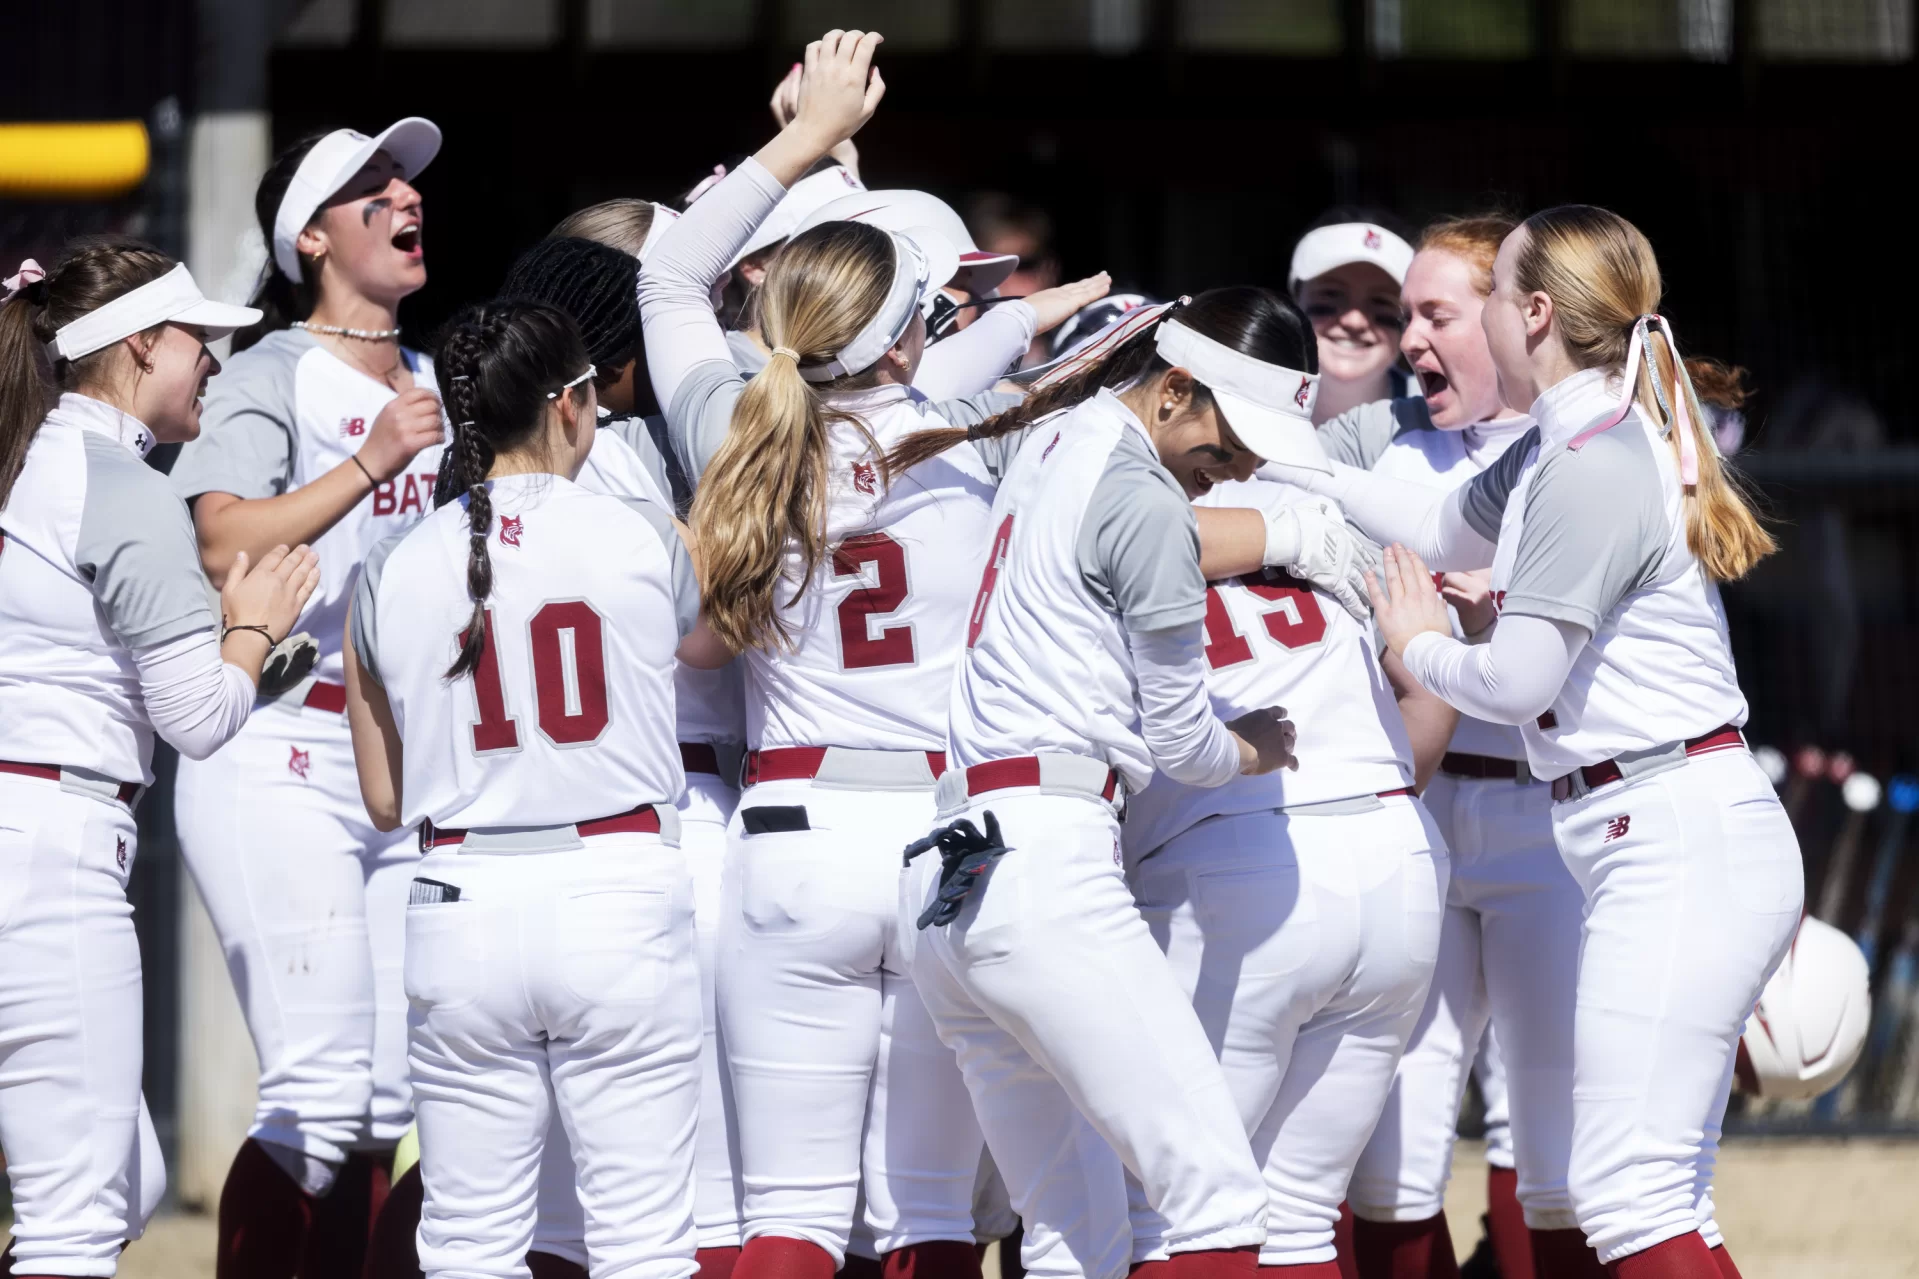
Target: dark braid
596 285
496 365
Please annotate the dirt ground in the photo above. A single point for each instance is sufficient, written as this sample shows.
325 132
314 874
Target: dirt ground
1835 1209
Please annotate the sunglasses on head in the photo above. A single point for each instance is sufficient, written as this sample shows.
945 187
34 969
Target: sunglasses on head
942 321
590 371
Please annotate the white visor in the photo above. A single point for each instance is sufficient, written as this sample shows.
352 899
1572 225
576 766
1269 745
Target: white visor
1326 248
912 275
334 159
663 218
1268 406
174 296
796 206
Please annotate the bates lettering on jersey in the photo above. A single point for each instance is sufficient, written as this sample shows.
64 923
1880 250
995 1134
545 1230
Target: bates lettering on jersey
409 494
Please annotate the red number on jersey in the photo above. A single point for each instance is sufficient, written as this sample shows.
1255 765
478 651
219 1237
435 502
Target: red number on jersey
569 680
859 649
1297 622
989 578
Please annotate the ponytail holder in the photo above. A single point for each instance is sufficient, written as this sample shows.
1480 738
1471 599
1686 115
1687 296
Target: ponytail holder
1676 405
466 422
30 273
788 352
459 377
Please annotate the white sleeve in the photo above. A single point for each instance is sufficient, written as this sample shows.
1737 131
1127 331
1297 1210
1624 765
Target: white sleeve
1512 679
1188 742
979 355
195 700
1430 522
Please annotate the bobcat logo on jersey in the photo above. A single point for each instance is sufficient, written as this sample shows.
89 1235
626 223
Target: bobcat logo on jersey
1050 447
865 478
1304 393
1372 238
299 762
510 526
1617 828
352 426
120 850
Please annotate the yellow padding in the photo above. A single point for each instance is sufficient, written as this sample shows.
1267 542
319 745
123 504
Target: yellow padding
76 161
407 1153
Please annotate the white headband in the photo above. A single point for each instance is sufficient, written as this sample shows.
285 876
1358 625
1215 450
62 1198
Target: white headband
330 164
1268 406
889 323
174 296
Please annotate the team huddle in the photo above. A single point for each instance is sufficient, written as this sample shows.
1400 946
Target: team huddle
772 757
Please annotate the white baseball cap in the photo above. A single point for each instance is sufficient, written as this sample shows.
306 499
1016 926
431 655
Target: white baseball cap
1268 406
908 211
1325 248
174 297
796 206
334 159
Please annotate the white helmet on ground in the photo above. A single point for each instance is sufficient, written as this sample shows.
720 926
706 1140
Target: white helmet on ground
1811 1021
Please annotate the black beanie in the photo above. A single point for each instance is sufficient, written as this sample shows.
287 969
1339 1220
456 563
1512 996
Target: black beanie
594 283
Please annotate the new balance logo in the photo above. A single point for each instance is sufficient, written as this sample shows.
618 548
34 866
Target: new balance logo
352 426
1617 828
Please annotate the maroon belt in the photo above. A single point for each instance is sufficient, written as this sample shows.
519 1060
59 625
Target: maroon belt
1607 771
1479 767
802 763
330 698
128 792
699 757
1006 774
1403 790
637 821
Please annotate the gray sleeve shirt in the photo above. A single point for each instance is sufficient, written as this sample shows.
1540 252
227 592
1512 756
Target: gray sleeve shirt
1487 492
246 444
1359 436
1139 543
136 546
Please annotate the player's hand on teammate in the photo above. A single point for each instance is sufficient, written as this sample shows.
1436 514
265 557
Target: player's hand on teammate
1471 595
411 421
839 87
1405 601
1265 740
1311 540
1062 302
272 592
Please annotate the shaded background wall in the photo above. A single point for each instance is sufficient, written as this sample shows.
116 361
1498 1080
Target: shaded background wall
1180 144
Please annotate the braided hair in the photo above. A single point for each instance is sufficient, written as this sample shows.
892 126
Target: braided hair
596 285
497 363
1256 322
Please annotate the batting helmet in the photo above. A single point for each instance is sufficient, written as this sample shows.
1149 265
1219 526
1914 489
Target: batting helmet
1811 1021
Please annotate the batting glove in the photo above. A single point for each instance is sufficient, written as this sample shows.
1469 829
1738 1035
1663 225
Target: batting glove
1311 540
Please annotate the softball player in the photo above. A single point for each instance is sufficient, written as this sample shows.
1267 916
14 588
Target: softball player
326 431
1346 274
1082 676
1300 911
549 940
106 639
1509 950
1607 532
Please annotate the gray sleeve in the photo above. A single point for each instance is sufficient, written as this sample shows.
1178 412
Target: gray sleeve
686 583
246 429
639 437
1486 493
1359 436
971 410
365 601
1595 530
701 414
1139 545
136 546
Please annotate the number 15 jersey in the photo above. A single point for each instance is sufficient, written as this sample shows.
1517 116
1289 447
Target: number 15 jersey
570 714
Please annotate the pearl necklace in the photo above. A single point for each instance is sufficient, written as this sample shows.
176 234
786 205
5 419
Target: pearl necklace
367 335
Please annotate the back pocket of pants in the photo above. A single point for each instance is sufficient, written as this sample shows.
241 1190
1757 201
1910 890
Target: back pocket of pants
615 944
445 961
1256 918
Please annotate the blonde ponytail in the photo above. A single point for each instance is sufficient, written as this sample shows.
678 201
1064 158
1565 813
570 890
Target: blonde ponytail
765 491
1600 272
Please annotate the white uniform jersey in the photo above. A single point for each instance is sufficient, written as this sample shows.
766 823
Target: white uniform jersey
882 621
569 716
627 462
283 413
97 559
1274 641
1596 536
1088 528
1398 438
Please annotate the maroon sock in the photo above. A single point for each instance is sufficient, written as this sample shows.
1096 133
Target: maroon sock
342 1222
1506 1225
1565 1253
393 1251
1307 1270
778 1257
934 1259
1343 1242
716 1263
1404 1249
1217 1263
545 1265
264 1216
858 1267
1726 1269
1683 1257
1151 1270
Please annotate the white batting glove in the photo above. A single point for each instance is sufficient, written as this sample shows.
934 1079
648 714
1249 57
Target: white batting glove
1311 541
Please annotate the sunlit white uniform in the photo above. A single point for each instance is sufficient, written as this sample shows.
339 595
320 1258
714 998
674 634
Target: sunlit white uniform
1299 910
561 971
306 897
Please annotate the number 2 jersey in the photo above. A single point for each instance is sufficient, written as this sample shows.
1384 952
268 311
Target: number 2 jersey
1274 641
570 715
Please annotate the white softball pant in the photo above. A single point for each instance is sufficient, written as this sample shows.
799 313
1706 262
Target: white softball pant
81 1156
1508 953
1083 1053
1693 887
560 982
308 901
1489 1068
705 809
838 1076
1306 944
